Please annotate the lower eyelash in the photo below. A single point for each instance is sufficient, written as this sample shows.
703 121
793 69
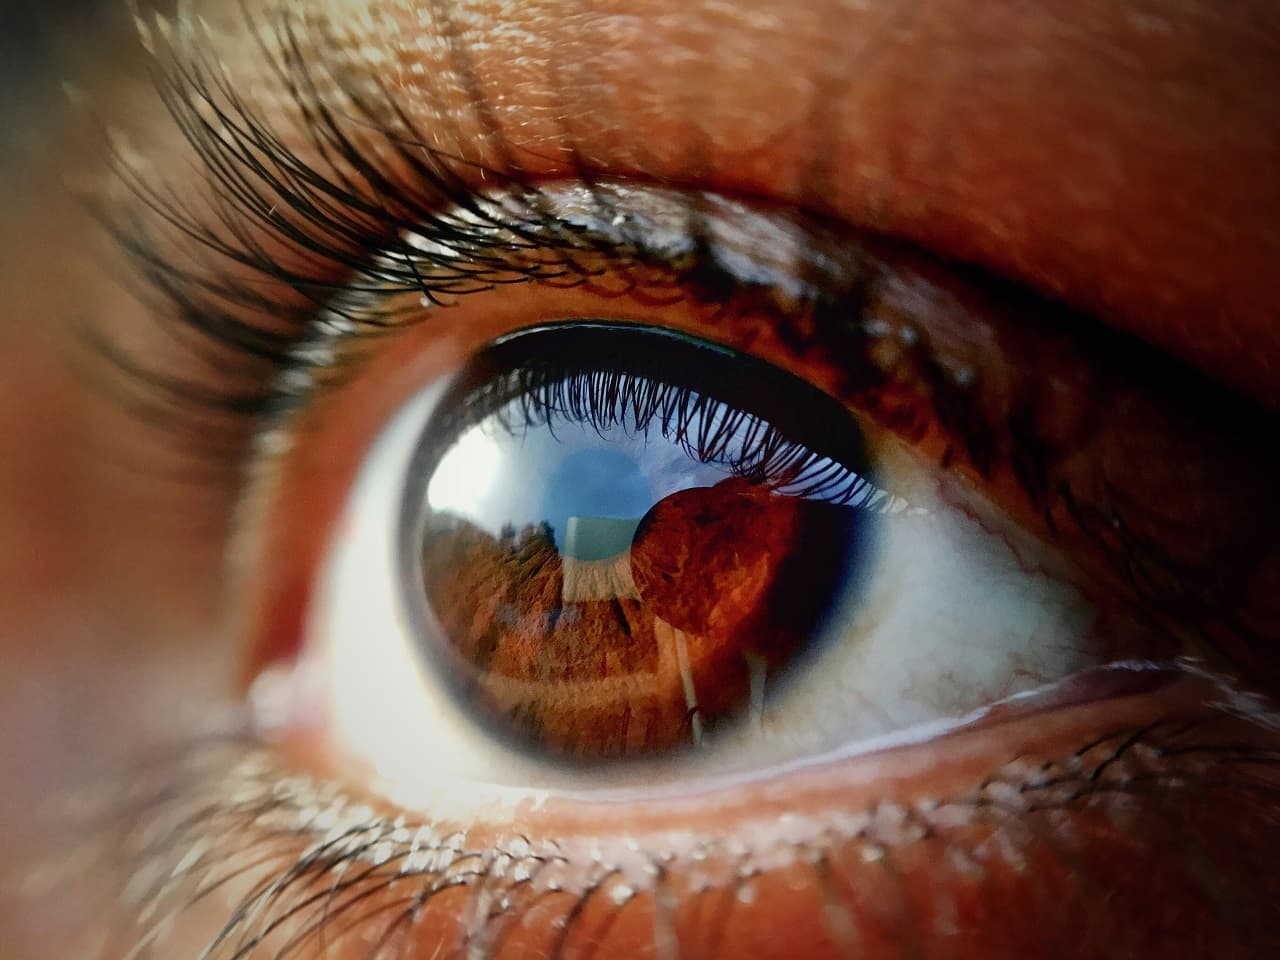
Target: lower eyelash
299 863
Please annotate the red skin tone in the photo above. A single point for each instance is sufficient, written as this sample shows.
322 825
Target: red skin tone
959 130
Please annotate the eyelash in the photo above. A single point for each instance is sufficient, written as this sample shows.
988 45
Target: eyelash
384 236
222 810
347 249
351 215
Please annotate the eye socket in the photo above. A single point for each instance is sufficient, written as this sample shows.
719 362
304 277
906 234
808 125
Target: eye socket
965 604
626 536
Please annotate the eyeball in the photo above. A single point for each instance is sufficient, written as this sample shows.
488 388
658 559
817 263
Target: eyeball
605 555
614 562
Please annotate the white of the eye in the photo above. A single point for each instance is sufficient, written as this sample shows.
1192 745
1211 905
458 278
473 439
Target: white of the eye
963 610
933 638
380 704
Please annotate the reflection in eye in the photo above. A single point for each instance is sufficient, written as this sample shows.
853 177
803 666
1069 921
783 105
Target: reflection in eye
624 540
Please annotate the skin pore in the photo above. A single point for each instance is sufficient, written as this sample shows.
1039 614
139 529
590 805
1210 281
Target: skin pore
1118 157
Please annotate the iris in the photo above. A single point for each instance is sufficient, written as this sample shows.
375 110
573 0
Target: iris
621 538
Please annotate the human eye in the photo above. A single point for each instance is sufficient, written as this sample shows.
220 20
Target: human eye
975 620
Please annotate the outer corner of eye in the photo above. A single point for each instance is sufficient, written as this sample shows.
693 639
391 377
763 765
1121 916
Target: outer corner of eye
602 556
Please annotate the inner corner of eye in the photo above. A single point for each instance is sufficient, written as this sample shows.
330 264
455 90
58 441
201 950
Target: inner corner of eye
598 541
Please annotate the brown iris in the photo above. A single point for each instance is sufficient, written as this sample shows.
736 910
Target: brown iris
620 556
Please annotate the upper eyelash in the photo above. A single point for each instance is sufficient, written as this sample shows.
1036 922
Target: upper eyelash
341 239
354 229
346 247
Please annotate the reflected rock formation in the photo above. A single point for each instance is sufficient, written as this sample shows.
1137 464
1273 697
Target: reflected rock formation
720 589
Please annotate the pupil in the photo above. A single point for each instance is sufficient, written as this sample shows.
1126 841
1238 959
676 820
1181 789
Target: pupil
625 537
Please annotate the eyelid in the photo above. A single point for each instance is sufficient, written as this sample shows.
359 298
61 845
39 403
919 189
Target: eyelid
264 334
239 144
984 187
273 842
1006 354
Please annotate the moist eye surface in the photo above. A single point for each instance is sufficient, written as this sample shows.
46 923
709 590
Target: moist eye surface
622 537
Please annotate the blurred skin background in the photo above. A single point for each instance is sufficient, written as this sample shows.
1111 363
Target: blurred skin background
62 676
40 42
112 566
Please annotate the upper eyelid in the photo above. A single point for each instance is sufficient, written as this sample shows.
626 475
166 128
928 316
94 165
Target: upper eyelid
563 111
251 162
341 217
342 199
340 203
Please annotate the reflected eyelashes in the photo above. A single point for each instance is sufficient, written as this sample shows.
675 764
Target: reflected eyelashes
717 405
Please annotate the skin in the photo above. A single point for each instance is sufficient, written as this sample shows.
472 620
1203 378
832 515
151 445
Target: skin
1118 158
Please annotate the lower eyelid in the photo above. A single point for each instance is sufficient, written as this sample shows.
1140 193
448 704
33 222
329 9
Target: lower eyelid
833 880
808 852
1093 809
